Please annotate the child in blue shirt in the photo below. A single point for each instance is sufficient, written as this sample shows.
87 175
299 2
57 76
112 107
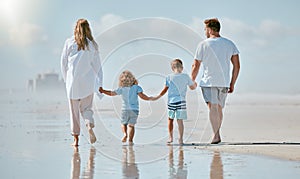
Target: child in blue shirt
130 90
176 85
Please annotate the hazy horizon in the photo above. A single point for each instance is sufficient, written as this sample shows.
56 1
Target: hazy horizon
132 33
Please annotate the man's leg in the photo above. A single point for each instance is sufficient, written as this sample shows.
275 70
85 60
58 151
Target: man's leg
215 117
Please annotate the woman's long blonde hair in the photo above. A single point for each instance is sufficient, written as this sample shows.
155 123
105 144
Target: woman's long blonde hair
127 79
82 33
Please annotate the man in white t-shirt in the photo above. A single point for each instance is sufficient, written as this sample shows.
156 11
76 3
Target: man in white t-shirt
215 55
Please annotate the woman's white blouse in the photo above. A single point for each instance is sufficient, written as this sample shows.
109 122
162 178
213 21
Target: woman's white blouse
81 70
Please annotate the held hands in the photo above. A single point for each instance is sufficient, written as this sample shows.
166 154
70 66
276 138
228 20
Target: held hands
101 90
155 98
231 88
194 86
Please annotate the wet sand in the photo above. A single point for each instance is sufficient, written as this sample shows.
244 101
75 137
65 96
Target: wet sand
36 140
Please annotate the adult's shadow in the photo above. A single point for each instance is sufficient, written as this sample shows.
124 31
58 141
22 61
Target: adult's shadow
76 165
216 166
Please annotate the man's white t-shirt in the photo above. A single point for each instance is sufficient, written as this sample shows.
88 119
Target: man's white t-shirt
215 55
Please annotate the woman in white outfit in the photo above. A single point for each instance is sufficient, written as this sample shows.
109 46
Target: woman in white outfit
82 73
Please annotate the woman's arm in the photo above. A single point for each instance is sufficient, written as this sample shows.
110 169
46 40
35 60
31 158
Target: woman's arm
107 92
97 67
64 61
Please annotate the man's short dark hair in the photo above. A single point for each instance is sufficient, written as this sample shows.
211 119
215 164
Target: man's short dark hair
214 24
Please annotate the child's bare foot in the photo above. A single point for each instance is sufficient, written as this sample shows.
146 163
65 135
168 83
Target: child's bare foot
75 144
124 139
180 141
130 143
76 141
170 141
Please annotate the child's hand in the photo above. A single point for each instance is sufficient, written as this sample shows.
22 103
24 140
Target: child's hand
194 86
155 98
100 89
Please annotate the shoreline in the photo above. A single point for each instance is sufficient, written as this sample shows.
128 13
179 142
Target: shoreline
281 152
248 120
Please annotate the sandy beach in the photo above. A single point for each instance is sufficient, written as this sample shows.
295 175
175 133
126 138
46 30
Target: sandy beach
260 124
260 134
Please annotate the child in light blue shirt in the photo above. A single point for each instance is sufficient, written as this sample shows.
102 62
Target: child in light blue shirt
130 91
176 85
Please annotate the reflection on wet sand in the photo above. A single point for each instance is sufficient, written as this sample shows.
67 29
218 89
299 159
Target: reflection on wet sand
181 171
216 166
129 167
76 165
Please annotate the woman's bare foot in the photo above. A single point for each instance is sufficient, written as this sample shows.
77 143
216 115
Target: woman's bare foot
92 136
124 139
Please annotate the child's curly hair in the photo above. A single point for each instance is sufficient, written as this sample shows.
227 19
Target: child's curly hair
127 79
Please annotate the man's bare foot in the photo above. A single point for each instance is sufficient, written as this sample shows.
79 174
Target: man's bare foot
216 141
130 143
124 139
93 138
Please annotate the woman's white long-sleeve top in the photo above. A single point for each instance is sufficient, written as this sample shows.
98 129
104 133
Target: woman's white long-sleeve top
81 70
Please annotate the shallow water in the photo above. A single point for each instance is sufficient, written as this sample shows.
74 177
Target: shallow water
35 143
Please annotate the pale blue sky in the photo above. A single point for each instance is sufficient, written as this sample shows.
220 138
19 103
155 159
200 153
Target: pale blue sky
266 33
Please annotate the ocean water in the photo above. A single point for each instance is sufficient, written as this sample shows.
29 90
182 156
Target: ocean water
35 143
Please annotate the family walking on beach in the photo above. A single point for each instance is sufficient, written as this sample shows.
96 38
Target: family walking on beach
82 72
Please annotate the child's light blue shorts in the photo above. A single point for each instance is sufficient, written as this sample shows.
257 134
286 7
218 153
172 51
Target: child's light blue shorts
177 110
177 114
129 117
